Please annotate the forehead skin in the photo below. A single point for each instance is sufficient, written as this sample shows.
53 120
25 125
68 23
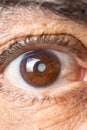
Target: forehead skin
47 18
21 19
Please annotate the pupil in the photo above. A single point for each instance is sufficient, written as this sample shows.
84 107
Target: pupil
40 68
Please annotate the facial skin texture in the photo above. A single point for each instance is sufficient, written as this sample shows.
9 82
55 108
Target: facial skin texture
51 109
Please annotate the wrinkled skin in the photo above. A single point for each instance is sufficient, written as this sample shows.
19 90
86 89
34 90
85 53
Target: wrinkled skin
52 109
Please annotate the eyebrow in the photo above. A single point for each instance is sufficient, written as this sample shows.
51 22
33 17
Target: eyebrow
74 10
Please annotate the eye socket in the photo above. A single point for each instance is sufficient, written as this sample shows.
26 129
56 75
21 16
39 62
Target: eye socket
42 68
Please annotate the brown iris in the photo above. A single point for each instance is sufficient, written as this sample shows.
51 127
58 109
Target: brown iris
40 68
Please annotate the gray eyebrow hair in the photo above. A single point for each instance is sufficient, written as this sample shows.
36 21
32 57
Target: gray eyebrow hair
73 9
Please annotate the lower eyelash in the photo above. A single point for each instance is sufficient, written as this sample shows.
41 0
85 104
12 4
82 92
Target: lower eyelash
24 101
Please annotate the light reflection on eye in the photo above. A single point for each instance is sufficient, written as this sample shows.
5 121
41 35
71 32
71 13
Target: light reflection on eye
60 70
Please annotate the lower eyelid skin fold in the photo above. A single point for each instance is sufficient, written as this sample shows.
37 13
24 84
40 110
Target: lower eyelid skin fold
69 99
52 97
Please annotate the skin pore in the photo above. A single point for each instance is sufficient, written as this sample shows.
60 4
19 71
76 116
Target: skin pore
49 109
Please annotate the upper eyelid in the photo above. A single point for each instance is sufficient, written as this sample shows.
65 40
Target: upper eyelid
60 38
70 43
2 46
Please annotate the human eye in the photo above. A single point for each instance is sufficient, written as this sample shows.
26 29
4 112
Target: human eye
43 65
40 62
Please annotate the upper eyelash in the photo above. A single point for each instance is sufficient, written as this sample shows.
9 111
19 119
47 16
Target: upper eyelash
55 39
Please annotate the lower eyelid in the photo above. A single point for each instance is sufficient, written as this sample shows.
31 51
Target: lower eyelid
25 101
74 93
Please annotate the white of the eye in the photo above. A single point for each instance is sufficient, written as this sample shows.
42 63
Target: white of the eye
13 75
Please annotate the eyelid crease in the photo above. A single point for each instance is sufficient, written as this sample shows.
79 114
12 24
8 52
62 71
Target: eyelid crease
68 43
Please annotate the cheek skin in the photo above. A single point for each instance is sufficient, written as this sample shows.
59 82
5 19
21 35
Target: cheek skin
67 111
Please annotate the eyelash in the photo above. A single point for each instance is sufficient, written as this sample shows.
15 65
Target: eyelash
22 98
63 42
